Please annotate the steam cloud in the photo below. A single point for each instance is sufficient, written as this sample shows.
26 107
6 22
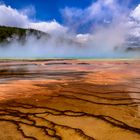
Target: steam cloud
106 27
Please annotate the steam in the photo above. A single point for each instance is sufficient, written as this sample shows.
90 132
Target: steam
106 25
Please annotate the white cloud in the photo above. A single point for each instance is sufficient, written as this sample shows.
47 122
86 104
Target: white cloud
12 17
136 13
20 18
83 38
50 27
134 22
96 14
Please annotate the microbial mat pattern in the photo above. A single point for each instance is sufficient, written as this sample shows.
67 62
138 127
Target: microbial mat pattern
70 100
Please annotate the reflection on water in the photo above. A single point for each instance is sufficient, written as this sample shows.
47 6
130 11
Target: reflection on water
41 70
15 72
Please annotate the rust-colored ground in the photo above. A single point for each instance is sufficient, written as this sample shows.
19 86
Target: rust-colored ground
70 100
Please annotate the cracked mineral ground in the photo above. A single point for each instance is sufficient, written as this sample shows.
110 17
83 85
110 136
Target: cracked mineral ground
70 99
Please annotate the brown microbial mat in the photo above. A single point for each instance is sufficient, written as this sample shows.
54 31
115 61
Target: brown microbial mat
70 100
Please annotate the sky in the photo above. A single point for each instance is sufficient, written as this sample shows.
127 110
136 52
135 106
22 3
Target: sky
102 26
50 9
70 13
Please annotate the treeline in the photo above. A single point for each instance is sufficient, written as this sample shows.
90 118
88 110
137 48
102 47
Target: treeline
6 33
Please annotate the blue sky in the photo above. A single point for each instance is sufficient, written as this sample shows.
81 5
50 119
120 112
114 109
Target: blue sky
50 9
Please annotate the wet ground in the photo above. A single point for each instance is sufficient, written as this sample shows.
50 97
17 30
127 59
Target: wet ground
70 100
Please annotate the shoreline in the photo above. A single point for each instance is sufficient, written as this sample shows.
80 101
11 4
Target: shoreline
63 59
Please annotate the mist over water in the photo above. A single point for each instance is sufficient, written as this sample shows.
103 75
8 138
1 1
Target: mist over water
106 37
98 47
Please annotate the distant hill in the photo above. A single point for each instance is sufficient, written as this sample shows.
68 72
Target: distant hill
9 33
132 44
